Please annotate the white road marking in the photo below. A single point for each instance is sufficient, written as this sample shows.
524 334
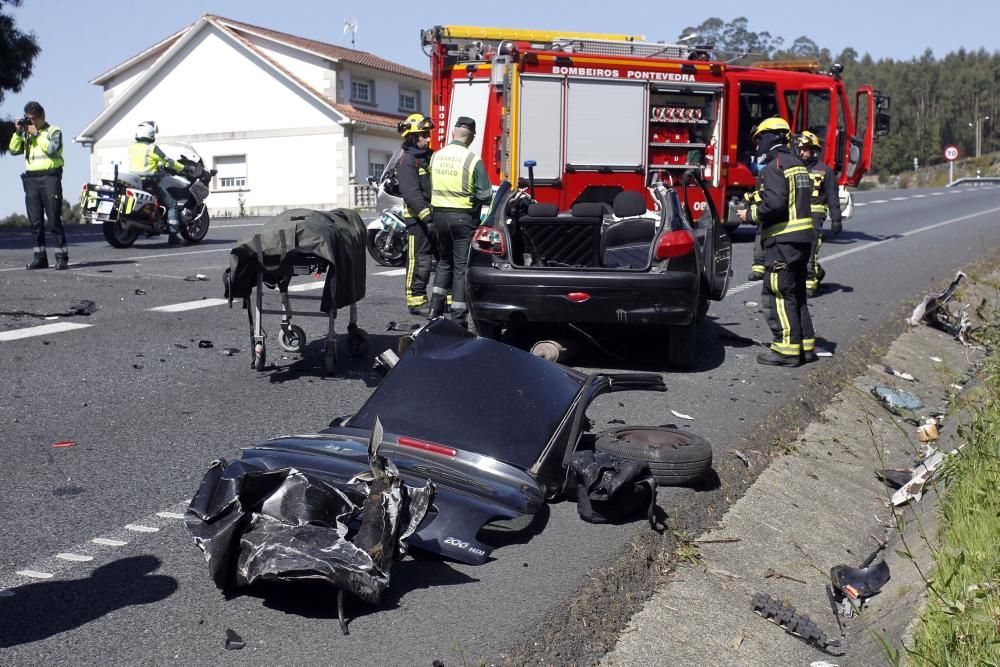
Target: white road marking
899 198
391 272
41 330
173 254
304 287
108 543
35 574
860 203
76 558
919 196
142 529
188 305
879 201
936 194
170 515
912 232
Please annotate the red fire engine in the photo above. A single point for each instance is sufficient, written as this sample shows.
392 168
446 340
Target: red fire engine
598 113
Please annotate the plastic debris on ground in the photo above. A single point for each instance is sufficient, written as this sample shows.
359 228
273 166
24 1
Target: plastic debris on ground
139 292
198 277
923 473
936 360
897 401
928 431
205 344
823 353
256 524
926 309
860 582
895 477
794 623
233 641
901 375
680 415
230 351
64 443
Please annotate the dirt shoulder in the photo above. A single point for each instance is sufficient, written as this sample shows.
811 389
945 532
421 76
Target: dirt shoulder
810 477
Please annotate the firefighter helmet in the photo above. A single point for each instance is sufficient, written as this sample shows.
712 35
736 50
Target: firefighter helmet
774 124
807 140
415 122
146 131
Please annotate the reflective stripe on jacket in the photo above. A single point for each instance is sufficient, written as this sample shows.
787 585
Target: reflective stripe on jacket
825 197
41 152
453 177
149 160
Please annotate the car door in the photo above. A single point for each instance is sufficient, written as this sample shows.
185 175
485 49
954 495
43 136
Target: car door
711 234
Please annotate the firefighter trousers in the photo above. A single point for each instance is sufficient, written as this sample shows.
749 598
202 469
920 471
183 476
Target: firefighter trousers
815 272
419 257
784 297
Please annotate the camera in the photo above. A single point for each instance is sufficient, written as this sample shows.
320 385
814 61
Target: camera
23 123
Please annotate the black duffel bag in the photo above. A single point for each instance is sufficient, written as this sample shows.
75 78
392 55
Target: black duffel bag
610 489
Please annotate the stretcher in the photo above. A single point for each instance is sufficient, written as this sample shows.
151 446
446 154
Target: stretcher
302 242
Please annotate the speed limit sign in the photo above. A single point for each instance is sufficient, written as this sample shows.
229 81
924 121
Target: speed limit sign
951 152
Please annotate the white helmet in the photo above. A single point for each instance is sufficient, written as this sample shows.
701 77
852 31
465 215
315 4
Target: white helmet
146 131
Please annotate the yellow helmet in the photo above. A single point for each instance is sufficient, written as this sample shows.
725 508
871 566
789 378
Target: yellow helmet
773 124
415 122
807 140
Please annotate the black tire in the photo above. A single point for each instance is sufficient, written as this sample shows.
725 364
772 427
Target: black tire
294 340
195 230
118 234
674 457
682 345
373 242
487 329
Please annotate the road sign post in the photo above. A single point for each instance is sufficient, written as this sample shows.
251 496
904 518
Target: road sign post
951 154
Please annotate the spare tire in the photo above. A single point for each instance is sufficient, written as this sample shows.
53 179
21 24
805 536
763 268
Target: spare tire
675 457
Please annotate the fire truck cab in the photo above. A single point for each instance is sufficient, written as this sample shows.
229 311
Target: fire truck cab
599 113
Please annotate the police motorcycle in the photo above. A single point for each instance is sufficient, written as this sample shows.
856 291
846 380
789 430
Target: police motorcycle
386 237
126 204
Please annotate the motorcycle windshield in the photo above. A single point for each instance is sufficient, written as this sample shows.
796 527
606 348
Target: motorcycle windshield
178 150
390 166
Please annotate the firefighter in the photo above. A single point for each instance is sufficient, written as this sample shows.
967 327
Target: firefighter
42 146
148 160
825 199
460 187
415 187
780 206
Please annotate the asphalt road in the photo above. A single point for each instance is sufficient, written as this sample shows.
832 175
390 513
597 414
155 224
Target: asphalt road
149 410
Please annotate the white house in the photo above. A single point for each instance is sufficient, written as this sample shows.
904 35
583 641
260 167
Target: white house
286 121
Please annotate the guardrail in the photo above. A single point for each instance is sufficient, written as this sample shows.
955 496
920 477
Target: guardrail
975 180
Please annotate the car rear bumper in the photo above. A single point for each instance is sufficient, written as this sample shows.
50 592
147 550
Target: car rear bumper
615 297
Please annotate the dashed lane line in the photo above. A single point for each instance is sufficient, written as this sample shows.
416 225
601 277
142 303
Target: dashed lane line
35 574
139 528
188 305
105 542
41 330
76 558
879 201
900 198
391 272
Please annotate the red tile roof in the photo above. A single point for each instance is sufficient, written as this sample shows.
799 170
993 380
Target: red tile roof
326 50
369 117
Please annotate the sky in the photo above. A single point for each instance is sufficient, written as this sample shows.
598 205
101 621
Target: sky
80 40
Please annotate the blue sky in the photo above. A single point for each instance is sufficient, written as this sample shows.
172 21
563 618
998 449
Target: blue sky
80 40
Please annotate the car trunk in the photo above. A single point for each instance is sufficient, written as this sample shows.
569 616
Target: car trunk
582 242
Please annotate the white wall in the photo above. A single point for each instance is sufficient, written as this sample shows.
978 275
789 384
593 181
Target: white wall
313 70
124 79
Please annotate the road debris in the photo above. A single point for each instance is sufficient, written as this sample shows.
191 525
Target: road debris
936 360
897 401
610 489
859 582
205 344
680 415
230 351
741 456
64 443
771 573
198 277
792 622
895 477
928 431
84 308
928 310
914 488
750 304
901 375
824 353
139 292
233 641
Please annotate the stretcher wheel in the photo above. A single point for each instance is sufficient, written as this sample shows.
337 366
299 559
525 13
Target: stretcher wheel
259 356
292 339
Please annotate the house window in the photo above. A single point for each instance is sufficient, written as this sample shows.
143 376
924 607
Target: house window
232 172
376 163
363 91
409 100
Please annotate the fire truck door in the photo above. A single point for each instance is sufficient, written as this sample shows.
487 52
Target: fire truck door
814 111
470 98
859 157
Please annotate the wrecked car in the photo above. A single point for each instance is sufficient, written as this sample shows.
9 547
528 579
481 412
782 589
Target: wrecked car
603 265
490 426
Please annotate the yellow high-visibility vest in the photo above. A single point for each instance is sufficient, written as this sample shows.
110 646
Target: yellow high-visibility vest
453 176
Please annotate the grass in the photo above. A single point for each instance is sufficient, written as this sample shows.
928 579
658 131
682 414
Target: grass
961 622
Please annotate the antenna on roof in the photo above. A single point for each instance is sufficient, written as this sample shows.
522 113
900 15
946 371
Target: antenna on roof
352 25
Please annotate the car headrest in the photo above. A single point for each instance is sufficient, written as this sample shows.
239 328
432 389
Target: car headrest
538 210
592 209
629 204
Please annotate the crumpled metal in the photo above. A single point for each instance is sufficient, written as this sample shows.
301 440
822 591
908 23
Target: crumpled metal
255 524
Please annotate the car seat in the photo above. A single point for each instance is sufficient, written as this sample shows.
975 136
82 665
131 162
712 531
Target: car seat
625 244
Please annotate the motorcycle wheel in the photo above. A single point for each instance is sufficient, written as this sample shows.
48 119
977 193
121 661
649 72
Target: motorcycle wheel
118 234
375 242
196 230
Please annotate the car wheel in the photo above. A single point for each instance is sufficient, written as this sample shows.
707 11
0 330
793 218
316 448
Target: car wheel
681 346
674 457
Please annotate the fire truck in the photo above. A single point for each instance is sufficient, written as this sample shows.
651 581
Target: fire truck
597 113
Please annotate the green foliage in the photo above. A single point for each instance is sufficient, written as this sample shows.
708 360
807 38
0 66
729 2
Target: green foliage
960 624
71 215
934 100
14 220
18 51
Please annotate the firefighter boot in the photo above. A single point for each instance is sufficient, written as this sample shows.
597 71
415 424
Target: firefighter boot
41 261
62 262
771 358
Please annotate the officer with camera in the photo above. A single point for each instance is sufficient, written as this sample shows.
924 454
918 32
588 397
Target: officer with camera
42 146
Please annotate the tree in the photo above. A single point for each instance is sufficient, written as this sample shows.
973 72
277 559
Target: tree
18 51
732 39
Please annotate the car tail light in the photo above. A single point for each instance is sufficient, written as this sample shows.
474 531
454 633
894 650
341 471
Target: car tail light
431 447
578 297
675 244
488 240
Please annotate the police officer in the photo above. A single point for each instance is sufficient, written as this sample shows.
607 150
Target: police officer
459 188
42 146
147 159
781 206
414 178
825 199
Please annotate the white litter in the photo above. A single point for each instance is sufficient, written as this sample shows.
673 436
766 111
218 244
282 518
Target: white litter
914 489
956 386
899 374
823 663
681 415
823 353
936 360
750 304
52 317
